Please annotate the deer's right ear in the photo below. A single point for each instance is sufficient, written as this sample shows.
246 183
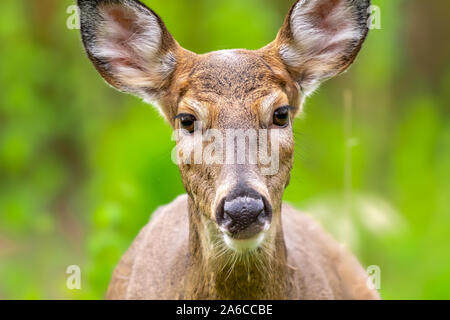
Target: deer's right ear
129 45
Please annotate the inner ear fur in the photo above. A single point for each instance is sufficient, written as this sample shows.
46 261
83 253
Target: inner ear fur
129 45
320 39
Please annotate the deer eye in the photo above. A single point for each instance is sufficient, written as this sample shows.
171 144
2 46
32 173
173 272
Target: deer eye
281 116
187 122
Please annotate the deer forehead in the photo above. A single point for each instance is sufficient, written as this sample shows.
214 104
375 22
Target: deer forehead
232 83
232 73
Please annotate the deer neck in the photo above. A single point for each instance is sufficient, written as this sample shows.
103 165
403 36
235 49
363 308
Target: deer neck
216 272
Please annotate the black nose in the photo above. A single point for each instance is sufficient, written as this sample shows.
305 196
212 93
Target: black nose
244 215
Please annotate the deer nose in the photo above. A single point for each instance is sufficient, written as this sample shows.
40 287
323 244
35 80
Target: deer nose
244 216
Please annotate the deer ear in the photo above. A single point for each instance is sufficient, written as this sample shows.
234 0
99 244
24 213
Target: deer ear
129 45
321 38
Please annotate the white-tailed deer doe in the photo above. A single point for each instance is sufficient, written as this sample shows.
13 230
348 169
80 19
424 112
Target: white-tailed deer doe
230 237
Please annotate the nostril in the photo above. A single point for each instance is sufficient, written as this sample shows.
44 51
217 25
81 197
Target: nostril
222 217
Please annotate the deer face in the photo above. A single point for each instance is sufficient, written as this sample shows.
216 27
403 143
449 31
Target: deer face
228 107
242 99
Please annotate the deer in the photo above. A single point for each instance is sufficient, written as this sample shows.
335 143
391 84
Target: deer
230 237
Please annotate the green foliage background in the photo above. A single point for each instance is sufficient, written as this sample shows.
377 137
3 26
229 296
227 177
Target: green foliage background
82 167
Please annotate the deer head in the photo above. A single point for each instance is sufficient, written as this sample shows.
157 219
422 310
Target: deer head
226 92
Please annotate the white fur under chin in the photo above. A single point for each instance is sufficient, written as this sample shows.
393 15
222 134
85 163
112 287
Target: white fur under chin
244 245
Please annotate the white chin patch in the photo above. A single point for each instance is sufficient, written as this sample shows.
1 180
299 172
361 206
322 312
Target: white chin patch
244 245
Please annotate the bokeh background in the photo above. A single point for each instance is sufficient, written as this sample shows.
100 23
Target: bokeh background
82 167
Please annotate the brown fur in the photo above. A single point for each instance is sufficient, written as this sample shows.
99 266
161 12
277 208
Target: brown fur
308 265
181 253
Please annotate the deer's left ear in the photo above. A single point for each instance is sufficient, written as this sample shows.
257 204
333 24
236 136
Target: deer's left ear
321 38
129 45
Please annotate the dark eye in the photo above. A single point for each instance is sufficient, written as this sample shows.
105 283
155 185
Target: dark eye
187 122
281 116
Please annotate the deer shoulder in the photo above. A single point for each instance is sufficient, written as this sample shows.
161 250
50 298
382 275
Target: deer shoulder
323 267
153 266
